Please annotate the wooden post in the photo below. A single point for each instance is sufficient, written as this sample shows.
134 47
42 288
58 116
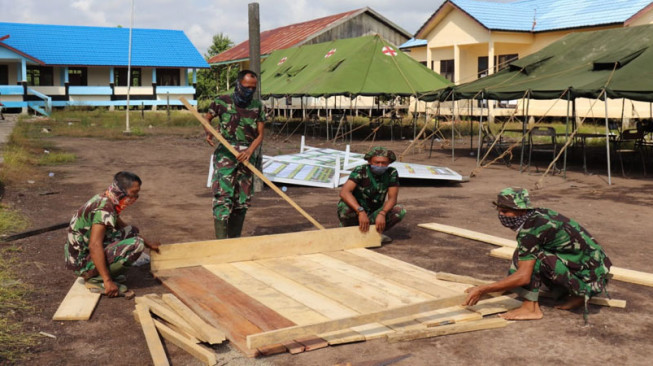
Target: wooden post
257 172
255 65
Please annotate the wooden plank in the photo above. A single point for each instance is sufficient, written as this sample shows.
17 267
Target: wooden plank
314 300
469 326
495 305
312 343
166 313
78 304
257 340
507 248
157 352
395 274
411 269
461 279
252 168
207 333
469 234
273 350
200 352
260 247
195 287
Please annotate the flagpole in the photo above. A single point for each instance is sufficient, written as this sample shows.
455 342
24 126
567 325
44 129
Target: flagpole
129 66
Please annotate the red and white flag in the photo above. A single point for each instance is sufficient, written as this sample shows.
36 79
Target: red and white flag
388 51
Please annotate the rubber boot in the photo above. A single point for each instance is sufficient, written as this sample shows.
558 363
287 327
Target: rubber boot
235 224
220 227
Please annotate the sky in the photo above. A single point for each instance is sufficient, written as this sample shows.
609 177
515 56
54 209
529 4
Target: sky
201 19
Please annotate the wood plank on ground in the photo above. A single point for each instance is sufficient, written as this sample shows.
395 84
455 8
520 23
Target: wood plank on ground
206 332
195 287
158 307
469 326
469 234
316 301
157 352
198 351
257 340
259 247
78 304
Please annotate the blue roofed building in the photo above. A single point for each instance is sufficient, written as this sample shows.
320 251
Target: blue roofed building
44 66
464 40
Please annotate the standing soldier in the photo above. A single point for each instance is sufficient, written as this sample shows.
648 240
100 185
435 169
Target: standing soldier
552 250
241 122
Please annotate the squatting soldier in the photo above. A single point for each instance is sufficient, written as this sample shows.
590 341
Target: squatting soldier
362 197
241 122
552 250
100 246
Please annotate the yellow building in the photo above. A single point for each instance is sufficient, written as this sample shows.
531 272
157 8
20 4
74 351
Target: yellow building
467 39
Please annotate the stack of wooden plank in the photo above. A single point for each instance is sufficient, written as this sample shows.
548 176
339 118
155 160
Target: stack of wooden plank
301 291
175 322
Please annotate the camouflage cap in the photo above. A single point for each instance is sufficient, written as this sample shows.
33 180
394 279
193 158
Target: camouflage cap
380 151
514 198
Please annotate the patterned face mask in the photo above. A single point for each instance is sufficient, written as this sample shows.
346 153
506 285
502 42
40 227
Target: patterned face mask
118 197
513 223
242 95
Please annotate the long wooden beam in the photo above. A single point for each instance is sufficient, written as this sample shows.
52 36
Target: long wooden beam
262 247
252 168
281 335
618 273
467 326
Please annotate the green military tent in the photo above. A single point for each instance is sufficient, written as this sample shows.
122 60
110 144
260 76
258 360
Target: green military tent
584 63
365 66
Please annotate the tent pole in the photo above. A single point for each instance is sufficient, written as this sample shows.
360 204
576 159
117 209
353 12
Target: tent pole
564 164
523 136
415 118
453 124
480 133
471 126
607 136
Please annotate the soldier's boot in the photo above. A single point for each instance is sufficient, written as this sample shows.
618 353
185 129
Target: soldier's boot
220 227
235 225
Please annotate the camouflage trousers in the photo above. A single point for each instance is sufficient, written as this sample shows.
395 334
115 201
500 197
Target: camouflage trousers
231 183
349 217
121 247
551 271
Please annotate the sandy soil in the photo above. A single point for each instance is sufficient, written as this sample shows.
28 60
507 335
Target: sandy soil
175 207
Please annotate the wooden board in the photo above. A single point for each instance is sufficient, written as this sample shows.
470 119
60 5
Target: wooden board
206 332
469 326
259 247
200 352
469 234
78 304
157 352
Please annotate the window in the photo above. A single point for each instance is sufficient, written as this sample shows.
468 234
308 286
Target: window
447 69
504 60
77 76
4 75
120 76
39 76
167 77
482 66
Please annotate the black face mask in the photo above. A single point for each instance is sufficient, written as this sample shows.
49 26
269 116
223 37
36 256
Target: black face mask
514 223
242 95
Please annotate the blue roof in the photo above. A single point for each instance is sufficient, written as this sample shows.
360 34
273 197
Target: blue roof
102 46
414 43
550 14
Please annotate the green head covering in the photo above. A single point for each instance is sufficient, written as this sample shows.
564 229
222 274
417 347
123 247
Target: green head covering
380 151
514 198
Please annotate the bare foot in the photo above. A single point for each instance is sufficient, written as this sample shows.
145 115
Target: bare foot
530 310
572 302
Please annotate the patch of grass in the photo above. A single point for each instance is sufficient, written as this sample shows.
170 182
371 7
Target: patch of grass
56 158
14 339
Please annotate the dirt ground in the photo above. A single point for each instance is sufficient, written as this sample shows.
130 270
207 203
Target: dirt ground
175 206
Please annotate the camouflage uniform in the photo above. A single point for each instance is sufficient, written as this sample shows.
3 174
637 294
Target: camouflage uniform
370 192
122 246
232 182
566 255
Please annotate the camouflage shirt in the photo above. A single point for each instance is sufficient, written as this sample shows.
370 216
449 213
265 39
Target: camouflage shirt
371 190
237 125
552 233
98 210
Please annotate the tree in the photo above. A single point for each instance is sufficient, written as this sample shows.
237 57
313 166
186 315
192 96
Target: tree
219 77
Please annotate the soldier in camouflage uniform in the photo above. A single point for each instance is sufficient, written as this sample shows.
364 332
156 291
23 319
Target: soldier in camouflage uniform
100 246
362 197
552 250
241 122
